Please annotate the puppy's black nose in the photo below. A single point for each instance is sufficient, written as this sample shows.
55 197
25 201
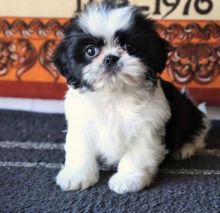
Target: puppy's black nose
110 60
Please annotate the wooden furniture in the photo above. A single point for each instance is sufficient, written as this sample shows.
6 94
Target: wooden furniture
27 44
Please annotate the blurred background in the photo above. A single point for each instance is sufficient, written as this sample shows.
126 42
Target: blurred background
30 31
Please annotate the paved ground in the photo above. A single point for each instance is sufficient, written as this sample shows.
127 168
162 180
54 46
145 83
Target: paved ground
31 153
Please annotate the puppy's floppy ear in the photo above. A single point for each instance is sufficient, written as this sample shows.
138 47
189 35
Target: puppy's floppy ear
159 53
63 63
60 59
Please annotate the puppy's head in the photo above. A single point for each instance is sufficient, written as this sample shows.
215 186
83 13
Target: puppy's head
110 46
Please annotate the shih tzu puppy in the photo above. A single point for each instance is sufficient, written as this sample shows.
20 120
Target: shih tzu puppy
117 107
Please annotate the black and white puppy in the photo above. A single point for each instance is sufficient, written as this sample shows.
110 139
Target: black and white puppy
116 106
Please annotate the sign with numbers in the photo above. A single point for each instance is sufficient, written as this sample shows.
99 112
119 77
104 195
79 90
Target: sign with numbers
172 9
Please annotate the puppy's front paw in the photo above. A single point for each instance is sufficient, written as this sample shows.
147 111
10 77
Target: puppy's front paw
70 179
124 183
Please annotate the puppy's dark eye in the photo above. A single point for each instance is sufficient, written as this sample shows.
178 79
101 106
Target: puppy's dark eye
128 47
91 51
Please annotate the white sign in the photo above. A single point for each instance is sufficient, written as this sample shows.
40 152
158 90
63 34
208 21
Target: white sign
174 9
157 9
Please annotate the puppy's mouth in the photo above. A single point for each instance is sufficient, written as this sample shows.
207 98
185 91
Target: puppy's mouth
113 70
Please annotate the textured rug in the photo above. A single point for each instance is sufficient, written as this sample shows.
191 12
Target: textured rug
31 153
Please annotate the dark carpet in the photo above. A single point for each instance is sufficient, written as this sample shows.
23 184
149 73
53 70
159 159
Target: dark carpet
28 168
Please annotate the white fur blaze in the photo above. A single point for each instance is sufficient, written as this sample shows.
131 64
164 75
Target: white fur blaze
99 21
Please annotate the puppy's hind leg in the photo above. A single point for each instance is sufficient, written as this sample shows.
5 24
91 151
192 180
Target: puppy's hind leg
189 149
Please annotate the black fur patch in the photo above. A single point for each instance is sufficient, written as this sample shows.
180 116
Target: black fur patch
69 56
147 44
186 121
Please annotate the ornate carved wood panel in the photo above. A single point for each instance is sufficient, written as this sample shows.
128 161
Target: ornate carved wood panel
26 47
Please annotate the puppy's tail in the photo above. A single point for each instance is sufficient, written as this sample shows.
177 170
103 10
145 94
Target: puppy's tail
202 106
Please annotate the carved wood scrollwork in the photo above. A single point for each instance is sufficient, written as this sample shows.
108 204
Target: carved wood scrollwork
196 54
176 31
45 58
20 54
199 62
35 27
5 59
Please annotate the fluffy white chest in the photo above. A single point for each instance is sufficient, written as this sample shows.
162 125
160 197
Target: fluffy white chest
113 123
115 126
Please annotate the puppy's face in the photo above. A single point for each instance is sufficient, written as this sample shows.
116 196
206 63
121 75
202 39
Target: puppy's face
109 46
